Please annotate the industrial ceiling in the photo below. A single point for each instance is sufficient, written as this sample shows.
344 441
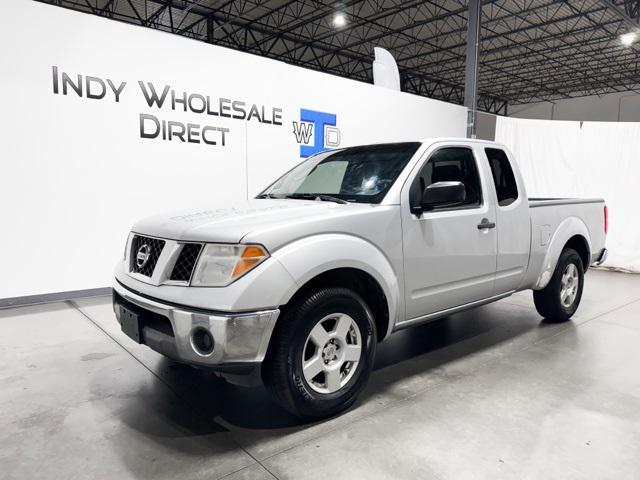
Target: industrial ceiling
530 50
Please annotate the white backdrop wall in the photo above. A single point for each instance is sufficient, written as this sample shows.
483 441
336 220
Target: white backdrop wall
76 173
584 159
612 107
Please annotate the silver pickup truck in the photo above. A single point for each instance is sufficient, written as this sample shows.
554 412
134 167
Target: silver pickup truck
296 287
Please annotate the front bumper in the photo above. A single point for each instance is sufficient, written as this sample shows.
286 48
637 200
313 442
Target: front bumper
239 339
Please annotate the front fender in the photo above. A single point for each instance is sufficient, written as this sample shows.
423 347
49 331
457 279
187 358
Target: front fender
307 258
568 228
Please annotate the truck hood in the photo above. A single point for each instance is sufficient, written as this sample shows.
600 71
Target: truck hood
229 224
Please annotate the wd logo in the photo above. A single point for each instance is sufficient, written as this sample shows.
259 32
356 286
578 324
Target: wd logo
315 132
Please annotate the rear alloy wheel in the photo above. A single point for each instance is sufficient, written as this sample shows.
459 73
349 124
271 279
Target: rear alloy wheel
559 300
321 353
569 285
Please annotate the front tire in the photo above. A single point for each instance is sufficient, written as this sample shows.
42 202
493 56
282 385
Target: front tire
559 300
321 354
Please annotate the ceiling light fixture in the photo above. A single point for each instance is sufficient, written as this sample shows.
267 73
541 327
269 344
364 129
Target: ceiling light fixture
339 20
627 39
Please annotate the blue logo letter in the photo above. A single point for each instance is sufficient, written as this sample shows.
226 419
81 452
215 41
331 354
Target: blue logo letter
319 120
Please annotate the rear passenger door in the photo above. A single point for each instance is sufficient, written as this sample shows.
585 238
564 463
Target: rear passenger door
512 222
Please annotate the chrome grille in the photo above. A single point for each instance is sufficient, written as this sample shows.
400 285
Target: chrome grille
145 252
186 262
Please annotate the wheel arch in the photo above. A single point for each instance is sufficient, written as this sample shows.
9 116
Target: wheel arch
346 261
353 279
580 244
573 233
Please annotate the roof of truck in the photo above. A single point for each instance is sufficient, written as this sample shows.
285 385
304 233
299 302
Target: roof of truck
456 139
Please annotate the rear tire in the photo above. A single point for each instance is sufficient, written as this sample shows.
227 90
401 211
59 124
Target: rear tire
321 353
559 300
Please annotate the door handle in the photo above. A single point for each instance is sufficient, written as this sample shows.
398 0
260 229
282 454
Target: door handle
486 224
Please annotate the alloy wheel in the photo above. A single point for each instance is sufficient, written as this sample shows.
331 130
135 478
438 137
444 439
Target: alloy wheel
331 353
569 285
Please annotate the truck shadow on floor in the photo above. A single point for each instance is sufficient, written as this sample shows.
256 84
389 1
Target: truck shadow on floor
410 360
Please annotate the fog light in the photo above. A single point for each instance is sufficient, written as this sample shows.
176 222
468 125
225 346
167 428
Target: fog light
202 341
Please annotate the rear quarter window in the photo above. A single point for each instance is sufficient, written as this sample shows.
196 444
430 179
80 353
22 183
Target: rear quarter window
503 177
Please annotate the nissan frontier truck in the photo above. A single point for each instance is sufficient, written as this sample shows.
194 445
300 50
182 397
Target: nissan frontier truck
296 287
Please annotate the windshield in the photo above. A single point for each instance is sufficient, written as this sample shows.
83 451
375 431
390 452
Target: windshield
357 174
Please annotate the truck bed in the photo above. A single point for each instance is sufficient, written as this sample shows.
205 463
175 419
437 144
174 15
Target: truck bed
535 202
549 216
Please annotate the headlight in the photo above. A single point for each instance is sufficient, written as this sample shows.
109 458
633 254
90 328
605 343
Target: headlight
219 265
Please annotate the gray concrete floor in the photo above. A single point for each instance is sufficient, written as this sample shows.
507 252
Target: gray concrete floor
489 393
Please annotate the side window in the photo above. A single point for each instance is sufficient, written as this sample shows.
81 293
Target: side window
452 164
503 177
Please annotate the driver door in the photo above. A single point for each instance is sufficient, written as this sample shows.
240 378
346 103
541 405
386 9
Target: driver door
449 257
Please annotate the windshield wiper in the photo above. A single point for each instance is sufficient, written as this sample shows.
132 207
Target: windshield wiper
270 195
304 196
315 196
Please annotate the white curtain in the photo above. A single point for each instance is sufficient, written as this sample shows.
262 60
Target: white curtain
584 159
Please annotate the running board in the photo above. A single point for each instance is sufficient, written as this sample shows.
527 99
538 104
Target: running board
443 313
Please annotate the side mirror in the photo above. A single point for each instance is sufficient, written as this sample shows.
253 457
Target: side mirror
443 194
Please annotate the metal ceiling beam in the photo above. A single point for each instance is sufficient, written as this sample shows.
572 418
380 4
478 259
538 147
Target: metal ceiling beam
631 22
